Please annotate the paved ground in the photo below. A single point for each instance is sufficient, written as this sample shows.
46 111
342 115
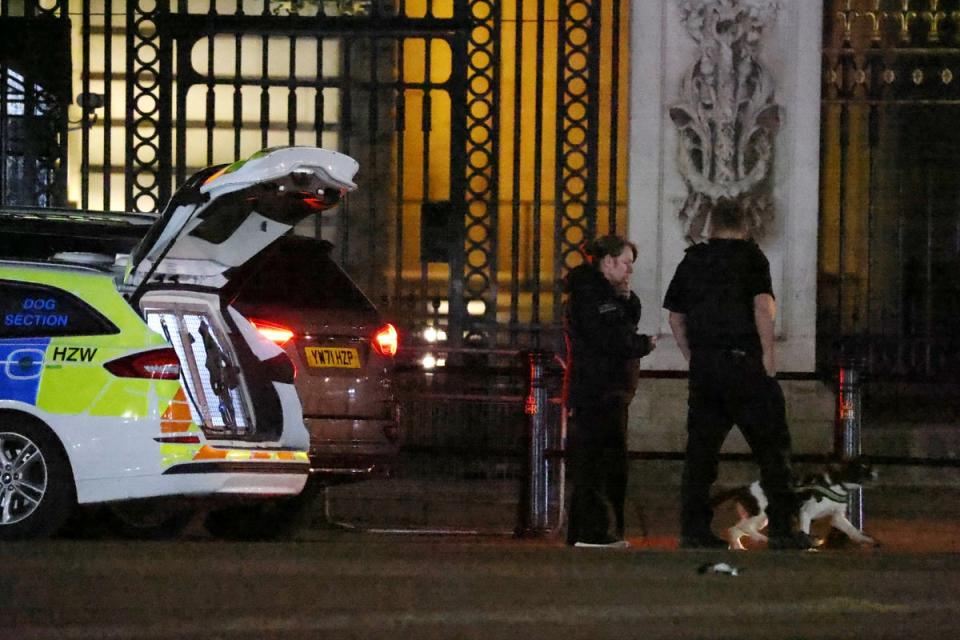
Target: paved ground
331 582
351 585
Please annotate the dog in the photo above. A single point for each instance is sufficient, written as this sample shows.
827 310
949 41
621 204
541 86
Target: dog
819 495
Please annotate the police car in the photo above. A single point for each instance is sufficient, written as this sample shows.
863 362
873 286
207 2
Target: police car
134 378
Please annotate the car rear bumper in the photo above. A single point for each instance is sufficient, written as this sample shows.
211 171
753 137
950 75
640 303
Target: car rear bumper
200 482
352 447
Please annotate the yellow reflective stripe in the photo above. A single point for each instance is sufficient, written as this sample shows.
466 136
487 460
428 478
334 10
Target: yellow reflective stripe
176 453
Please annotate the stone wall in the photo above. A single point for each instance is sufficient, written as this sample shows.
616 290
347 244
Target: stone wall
658 417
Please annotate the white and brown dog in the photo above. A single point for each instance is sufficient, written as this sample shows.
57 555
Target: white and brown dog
820 495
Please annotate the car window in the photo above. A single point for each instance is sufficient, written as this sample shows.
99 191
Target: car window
28 310
300 274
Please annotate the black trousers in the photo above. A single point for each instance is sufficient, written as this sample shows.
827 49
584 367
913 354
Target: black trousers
597 458
727 388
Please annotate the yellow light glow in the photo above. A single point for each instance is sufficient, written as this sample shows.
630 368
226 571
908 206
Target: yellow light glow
476 307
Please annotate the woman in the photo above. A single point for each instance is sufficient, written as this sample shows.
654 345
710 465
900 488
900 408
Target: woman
603 352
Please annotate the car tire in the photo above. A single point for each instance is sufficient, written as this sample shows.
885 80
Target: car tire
37 493
137 521
263 520
242 522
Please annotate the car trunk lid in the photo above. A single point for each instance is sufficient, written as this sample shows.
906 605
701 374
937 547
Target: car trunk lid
219 221
223 217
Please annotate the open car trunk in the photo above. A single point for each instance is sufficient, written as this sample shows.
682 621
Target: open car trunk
178 277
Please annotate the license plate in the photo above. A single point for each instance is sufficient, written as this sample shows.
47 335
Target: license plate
339 357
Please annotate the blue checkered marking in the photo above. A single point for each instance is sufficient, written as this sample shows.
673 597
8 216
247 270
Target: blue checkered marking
21 365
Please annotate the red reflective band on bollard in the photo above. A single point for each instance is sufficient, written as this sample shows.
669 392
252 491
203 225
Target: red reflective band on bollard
530 407
847 431
536 490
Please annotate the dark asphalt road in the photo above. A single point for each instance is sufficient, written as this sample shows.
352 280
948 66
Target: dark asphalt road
362 585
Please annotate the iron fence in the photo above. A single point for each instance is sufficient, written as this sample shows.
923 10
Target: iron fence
890 225
477 456
488 132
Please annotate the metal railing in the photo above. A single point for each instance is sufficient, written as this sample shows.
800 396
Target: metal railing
488 415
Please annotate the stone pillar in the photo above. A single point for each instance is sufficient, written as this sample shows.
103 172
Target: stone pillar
788 54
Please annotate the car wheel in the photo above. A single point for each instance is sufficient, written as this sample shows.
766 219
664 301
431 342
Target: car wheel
144 521
264 520
241 522
36 486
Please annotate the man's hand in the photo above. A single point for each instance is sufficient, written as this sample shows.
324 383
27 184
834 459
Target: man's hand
678 325
770 364
764 313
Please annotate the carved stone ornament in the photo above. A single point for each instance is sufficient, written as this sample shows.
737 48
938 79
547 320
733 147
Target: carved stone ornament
727 117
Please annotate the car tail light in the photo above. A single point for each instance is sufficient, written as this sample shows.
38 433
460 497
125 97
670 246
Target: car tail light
272 331
160 364
386 341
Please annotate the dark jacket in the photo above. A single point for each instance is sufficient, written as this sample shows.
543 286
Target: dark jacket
603 346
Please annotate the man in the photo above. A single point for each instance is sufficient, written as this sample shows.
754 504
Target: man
722 312
603 352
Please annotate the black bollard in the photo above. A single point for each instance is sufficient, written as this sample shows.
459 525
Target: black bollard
535 516
847 439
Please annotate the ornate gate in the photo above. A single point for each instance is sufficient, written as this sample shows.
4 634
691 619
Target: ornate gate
34 94
889 290
490 133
